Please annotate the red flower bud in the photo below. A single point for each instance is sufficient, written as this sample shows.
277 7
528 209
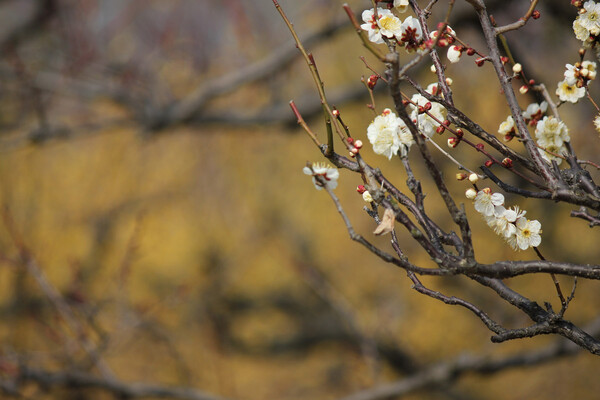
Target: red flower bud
372 81
361 189
504 59
459 132
507 162
489 163
350 140
479 146
440 129
535 14
480 61
470 51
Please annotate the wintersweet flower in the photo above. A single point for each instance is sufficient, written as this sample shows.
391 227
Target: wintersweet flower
388 134
527 234
571 93
386 25
426 124
327 172
485 201
401 5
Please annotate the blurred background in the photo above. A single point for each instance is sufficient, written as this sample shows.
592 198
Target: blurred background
156 225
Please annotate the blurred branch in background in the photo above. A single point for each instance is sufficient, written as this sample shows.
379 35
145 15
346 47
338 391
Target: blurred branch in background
174 245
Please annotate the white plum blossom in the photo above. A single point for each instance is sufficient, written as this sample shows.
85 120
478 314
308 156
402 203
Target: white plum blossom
527 234
485 201
388 134
454 53
535 110
581 33
571 93
401 5
519 232
507 126
327 172
552 134
590 19
597 123
503 220
426 124
387 24
411 35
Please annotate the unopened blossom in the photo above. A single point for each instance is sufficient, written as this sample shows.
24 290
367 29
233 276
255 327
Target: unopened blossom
388 134
426 124
507 126
590 66
367 196
454 53
328 173
485 201
433 89
571 93
470 193
386 25
527 234
401 5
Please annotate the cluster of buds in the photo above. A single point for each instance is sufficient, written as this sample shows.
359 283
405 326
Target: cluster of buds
355 146
445 33
580 73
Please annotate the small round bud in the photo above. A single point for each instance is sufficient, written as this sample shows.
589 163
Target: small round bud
440 129
581 52
470 194
335 112
461 176
504 59
523 89
350 140
535 14
360 189
452 142
351 154
449 81
446 123
531 82
507 162
372 81
473 178
489 163
427 106
470 51
479 61
584 72
591 75
479 146
354 151
358 144
367 196
432 68
405 103
517 68
459 132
